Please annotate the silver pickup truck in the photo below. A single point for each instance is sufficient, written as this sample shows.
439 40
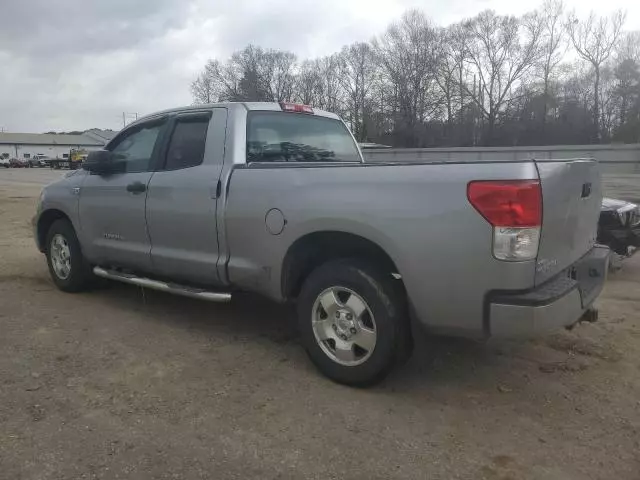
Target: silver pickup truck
205 201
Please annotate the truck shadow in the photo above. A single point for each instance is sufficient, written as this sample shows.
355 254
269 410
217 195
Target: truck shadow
247 315
249 318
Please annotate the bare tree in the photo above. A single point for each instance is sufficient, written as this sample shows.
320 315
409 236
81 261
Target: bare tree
250 74
318 83
409 54
627 89
203 89
357 69
626 96
594 40
608 103
217 82
308 83
491 79
331 92
277 72
629 47
453 73
553 48
244 72
447 74
501 50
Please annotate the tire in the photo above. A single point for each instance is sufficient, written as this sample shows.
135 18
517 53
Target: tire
384 314
80 276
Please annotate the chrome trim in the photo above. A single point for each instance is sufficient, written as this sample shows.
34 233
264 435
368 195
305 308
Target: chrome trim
220 297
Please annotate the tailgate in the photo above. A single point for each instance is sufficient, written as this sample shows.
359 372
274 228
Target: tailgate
571 201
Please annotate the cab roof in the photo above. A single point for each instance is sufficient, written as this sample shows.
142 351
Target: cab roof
250 106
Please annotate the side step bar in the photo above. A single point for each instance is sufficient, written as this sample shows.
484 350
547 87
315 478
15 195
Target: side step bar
176 289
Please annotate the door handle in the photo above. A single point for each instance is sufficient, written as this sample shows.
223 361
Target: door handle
136 187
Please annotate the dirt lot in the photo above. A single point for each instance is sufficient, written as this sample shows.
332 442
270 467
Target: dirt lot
121 383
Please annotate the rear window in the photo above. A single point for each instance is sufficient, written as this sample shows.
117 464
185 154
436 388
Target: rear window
295 137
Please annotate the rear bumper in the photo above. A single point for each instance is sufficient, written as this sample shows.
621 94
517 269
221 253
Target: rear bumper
558 303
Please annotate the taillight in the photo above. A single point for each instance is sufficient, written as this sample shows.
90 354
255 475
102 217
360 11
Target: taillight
514 209
295 108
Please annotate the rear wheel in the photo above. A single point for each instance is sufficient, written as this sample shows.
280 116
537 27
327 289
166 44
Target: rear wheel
353 322
68 268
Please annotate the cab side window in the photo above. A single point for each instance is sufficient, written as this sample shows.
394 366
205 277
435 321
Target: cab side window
186 148
136 147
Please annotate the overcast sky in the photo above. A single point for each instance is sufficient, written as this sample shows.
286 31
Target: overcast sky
76 64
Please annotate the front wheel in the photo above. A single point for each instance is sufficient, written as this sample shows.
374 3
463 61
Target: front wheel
67 266
353 322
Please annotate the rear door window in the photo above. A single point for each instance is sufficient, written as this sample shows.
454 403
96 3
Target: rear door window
295 137
186 148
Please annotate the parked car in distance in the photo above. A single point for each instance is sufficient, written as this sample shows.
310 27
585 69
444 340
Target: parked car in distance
206 201
38 161
17 163
4 162
619 229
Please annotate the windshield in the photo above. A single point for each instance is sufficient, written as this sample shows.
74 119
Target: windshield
293 137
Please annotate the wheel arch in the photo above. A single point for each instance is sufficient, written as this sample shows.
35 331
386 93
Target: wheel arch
313 249
45 220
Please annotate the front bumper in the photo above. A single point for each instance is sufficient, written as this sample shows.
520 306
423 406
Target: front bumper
558 303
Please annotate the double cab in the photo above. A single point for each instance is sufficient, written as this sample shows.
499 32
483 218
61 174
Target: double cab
275 198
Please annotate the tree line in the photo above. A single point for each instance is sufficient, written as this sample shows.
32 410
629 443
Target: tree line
544 78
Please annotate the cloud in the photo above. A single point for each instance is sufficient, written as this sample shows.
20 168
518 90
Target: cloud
75 64
45 28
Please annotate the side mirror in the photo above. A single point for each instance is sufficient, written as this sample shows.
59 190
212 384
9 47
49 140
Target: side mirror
103 162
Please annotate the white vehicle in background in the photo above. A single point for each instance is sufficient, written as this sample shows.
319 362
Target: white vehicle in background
4 162
38 160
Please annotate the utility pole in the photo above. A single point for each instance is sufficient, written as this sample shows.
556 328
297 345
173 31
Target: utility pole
126 115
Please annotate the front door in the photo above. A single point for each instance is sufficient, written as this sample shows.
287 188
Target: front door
181 203
112 207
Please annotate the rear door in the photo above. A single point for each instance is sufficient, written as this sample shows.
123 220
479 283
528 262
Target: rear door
182 198
572 197
112 207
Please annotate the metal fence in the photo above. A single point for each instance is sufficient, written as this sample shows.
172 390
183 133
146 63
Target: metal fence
620 163
615 159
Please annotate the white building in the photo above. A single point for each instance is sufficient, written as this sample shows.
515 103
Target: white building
27 145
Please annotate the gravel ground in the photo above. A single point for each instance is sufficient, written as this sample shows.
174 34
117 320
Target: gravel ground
125 383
